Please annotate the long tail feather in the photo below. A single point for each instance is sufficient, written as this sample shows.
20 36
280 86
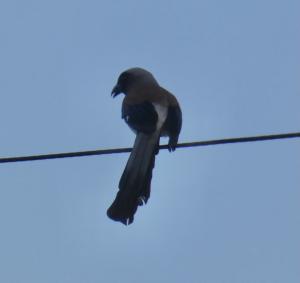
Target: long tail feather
134 185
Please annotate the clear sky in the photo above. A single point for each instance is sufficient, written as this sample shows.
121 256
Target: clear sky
227 213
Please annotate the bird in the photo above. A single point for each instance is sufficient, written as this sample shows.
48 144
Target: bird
151 112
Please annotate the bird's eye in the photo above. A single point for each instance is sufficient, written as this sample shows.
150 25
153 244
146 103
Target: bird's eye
124 77
124 80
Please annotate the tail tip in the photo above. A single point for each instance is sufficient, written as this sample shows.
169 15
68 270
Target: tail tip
116 216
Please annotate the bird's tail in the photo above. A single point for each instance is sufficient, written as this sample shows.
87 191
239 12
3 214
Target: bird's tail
134 185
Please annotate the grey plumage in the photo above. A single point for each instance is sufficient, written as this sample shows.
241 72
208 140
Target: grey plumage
151 112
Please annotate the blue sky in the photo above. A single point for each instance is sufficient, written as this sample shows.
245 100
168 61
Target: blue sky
216 214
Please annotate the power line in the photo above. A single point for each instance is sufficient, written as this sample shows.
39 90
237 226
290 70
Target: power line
128 149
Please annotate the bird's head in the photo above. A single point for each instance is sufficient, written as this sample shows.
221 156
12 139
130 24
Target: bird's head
132 78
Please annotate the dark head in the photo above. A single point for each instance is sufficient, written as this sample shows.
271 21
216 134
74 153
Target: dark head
131 78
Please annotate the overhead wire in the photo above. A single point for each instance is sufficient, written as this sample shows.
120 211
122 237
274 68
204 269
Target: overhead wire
128 149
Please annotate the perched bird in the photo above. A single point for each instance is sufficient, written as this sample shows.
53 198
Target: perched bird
151 112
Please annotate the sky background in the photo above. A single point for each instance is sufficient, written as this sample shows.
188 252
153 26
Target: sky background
227 213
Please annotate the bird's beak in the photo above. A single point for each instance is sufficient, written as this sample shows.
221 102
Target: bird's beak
115 91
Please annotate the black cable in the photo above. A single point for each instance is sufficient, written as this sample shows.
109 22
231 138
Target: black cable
128 149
